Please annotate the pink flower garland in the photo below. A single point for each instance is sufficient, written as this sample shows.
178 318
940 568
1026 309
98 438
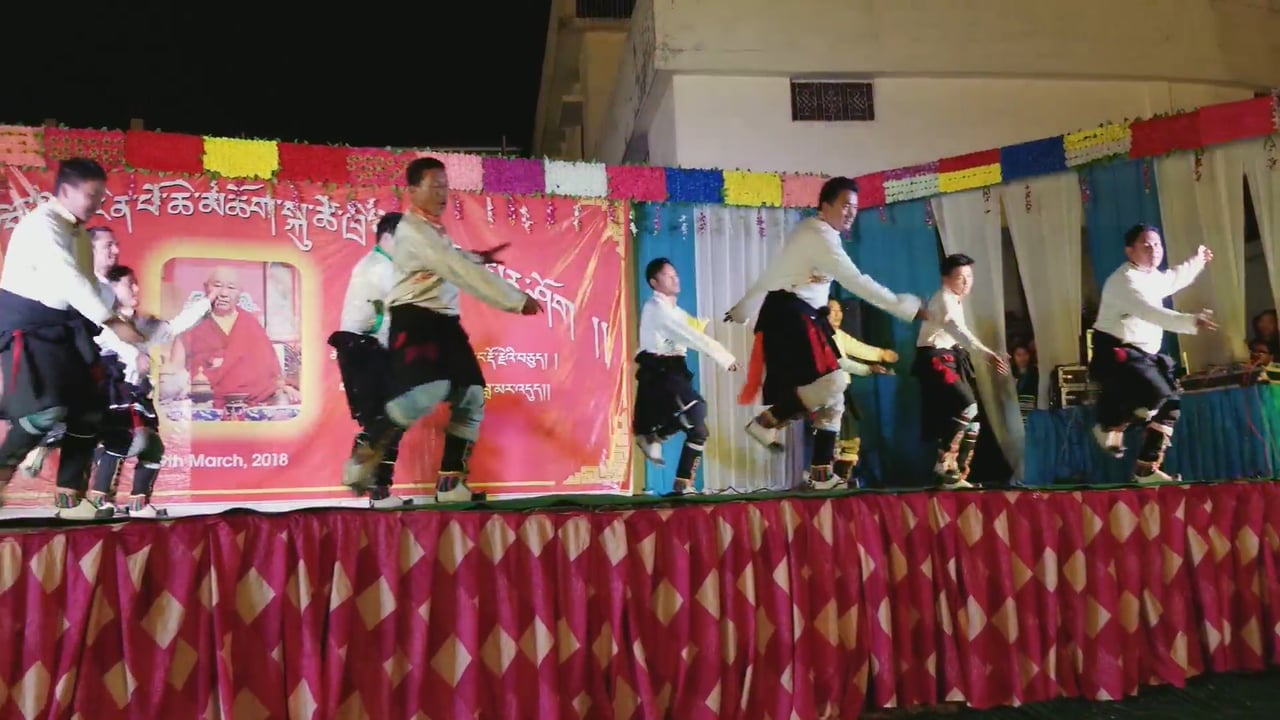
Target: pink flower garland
641 184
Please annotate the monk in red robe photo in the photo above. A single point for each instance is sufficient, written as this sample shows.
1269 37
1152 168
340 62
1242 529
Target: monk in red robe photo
231 351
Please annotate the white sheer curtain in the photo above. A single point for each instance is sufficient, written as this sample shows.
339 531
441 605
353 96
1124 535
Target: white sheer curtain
1045 217
1202 203
1259 158
969 223
730 256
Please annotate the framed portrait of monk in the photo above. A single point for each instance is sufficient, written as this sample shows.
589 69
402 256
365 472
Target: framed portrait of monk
243 361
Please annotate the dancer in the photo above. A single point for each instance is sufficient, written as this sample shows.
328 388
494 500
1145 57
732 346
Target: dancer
944 367
50 310
105 251
363 359
794 352
131 427
1137 381
432 360
666 402
856 358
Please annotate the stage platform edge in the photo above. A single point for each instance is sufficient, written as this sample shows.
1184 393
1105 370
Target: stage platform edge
748 606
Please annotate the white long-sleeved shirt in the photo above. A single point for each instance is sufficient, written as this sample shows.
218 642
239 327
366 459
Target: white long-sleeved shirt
50 261
852 350
364 306
1131 308
812 257
430 270
666 329
947 327
155 332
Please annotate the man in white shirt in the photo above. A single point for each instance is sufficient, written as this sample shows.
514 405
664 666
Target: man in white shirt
106 251
361 348
132 427
666 402
432 360
1137 381
50 310
795 350
943 364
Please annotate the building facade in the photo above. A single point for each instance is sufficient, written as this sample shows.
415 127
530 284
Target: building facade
855 86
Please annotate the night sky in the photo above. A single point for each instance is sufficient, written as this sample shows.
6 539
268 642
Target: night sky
357 74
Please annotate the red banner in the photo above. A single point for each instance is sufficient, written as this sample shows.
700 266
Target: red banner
558 412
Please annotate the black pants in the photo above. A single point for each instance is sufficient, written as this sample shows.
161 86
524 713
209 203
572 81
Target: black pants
365 368
123 425
667 404
1132 380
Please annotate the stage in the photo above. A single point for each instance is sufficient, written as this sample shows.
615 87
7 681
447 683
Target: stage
751 606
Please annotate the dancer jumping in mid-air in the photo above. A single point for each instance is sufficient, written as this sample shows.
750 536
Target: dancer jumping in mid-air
795 352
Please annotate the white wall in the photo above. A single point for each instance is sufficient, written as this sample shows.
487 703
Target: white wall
745 122
1213 41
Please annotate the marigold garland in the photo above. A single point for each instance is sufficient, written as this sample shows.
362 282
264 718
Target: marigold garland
752 189
961 180
237 158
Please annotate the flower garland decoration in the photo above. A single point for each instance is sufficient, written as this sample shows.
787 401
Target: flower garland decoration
511 211
609 212
870 190
657 219
21 146
984 176
702 222
551 212
802 190
635 231
1198 164
237 158
1026 189
167 152
1085 193
695 186
488 209
684 226
967 172
986 201
577 216
376 167
465 172
752 189
1086 146
760 228
312 163
513 176
911 183
639 184
457 207
929 219
1030 159
526 221
1270 146
576 179
1162 135
106 148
